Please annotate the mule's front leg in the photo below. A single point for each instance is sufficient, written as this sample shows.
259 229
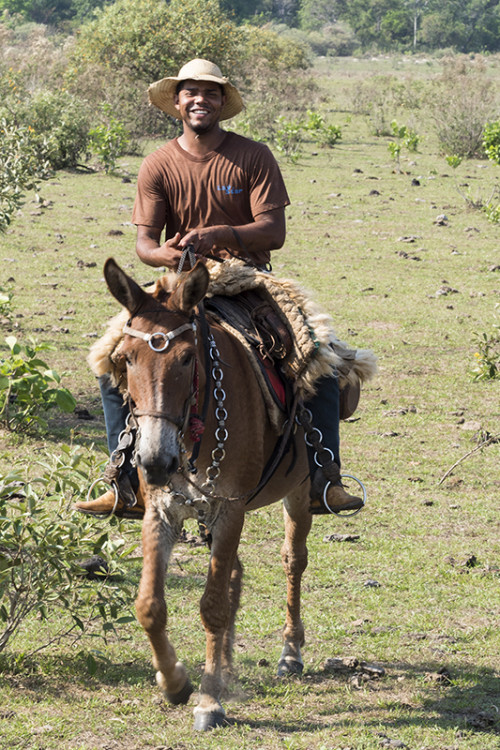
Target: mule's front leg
294 556
158 539
216 613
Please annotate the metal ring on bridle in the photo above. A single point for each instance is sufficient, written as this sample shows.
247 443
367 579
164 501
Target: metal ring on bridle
344 514
161 335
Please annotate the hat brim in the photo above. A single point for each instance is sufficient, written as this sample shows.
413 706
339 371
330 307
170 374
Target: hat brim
161 94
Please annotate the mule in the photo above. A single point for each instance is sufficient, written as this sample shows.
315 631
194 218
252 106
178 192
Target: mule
167 371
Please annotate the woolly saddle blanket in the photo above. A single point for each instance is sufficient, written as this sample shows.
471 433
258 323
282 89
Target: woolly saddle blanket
316 350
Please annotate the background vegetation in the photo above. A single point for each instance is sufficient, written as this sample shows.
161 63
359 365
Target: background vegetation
392 167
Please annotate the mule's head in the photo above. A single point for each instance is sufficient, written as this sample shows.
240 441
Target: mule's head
159 348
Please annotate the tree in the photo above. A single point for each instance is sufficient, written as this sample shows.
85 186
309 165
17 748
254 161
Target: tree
152 39
39 11
379 23
416 9
314 14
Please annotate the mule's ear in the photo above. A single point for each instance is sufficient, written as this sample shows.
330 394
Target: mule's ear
122 287
191 289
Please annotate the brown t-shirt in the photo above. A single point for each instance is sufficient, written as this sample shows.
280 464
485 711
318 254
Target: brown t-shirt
231 185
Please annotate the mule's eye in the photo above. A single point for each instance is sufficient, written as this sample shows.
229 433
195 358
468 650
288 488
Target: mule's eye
187 359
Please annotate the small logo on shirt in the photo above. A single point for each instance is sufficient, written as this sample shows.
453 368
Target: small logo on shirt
229 189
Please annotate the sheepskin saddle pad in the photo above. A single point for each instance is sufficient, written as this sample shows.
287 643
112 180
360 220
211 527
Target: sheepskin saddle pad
306 346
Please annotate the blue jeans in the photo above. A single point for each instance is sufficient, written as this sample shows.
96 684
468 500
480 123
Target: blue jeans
325 410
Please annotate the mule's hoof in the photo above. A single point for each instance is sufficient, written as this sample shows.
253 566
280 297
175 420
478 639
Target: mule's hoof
181 697
288 667
206 720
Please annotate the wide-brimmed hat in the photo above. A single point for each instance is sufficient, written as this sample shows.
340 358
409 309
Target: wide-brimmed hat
162 93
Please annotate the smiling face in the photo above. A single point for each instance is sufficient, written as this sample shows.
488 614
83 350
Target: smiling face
199 104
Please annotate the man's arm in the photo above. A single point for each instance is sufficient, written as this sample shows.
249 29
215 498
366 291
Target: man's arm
265 233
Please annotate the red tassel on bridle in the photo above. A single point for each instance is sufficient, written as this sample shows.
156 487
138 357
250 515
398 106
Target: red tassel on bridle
196 424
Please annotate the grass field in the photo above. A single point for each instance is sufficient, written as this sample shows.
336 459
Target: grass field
364 235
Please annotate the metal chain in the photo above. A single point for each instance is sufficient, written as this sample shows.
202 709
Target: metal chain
323 457
221 433
112 473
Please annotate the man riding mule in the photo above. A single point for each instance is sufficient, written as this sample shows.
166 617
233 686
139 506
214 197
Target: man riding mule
222 196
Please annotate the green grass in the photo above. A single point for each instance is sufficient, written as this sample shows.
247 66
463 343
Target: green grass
431 610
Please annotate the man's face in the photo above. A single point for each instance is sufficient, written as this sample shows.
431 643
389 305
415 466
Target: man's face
199 104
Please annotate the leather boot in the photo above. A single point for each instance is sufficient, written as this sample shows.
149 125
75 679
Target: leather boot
324 408
105 506
337 499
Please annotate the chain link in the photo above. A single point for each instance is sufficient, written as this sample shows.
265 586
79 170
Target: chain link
221 433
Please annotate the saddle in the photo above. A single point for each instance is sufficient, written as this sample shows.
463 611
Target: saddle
255 315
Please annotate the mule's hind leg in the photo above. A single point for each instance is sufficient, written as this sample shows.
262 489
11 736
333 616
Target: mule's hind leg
158 539
298 522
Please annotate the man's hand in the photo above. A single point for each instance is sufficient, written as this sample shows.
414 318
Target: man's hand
152 253
206 240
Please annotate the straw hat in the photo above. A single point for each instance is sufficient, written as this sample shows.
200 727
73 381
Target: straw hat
162 93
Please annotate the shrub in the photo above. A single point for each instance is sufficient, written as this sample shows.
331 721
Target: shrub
57 119
6 295
334 39
491 141
279 52
382 97
288 138
28 387
321 133
41 548
492 211
63 119
461 103
109 141
154 39
487 366
25 164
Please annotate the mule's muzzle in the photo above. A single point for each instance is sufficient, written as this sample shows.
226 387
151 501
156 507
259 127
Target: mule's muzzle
157 473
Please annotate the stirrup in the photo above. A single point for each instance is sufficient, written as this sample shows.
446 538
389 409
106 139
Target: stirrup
344 514
112 484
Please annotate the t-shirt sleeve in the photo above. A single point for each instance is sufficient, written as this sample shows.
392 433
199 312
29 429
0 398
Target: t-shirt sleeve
150 207
267 187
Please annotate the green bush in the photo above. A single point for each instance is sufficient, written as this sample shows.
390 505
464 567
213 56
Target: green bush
153 39
6 295
109 141
288 138
57 119
63 119
28 388
461 102
321 133
25 164
41 549
487 365
491 141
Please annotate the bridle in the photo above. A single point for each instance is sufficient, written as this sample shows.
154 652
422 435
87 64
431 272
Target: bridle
215 374
152 340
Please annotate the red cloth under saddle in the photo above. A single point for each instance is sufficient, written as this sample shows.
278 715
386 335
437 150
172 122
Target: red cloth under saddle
273 379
